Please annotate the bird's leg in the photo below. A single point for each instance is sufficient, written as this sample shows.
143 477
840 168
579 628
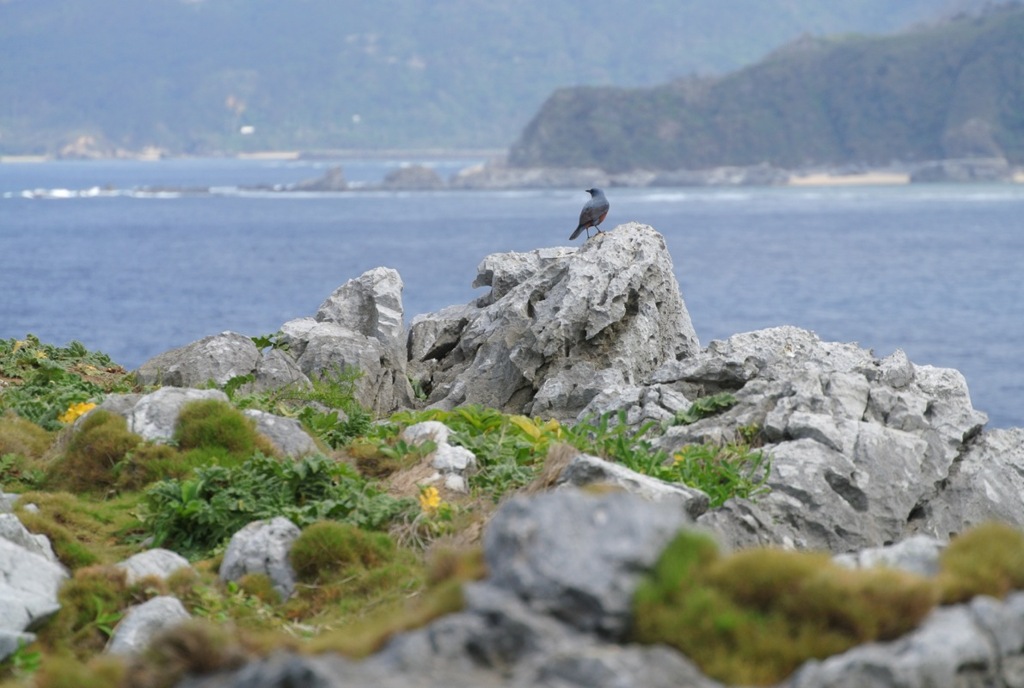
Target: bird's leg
588 232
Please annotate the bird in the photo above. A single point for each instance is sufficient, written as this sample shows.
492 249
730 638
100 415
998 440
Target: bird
593 214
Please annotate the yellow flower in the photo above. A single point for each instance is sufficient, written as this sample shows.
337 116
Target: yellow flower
76 410
430 499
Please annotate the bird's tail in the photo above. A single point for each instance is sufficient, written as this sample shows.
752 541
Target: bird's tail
576 233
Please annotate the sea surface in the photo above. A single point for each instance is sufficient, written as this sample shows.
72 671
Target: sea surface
86 255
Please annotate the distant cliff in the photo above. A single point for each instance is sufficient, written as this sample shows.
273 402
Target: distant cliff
946 91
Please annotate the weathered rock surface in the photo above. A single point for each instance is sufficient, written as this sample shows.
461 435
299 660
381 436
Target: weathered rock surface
262 547
860 446
286 434
218 358
359 326
142 622
554 322
542 550
153 563
29 583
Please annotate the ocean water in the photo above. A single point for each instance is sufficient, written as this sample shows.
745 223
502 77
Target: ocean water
934 270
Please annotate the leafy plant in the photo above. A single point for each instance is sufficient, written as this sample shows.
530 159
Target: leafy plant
49 380
704 407
199 513
271 341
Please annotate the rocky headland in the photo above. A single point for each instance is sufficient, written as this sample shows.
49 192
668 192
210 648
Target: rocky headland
876 461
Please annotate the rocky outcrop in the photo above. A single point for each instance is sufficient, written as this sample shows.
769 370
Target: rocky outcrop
963 170
557 326
413 178
359 327
332 180
864 451
216 359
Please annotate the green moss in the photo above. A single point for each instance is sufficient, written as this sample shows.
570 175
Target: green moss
82 532
22 437
987 560
91 604
755 616
93 453
328 549
365 636
213 424
68 672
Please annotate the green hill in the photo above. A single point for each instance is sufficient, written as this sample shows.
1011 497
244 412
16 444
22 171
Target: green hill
951 90
187 75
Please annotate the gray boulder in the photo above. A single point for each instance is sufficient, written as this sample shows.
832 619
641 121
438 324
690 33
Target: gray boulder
543 549
217 358
29 583
142 622
359 326
286 434
612 304
276 369
14 531
262 547
153 563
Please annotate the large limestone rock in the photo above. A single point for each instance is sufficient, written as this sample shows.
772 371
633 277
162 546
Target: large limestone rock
217 358
861 447
360 326
557 325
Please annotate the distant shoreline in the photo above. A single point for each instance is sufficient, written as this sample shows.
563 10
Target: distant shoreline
792 178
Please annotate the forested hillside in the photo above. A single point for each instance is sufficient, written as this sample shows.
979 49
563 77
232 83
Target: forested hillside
946 91
190 75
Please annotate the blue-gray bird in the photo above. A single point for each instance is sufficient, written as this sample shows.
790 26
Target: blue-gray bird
593 213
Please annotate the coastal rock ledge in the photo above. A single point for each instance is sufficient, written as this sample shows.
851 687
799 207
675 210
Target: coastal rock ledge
873 459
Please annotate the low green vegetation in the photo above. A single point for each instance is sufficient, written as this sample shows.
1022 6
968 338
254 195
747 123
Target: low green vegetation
369 561
755 616
44 382
197 514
